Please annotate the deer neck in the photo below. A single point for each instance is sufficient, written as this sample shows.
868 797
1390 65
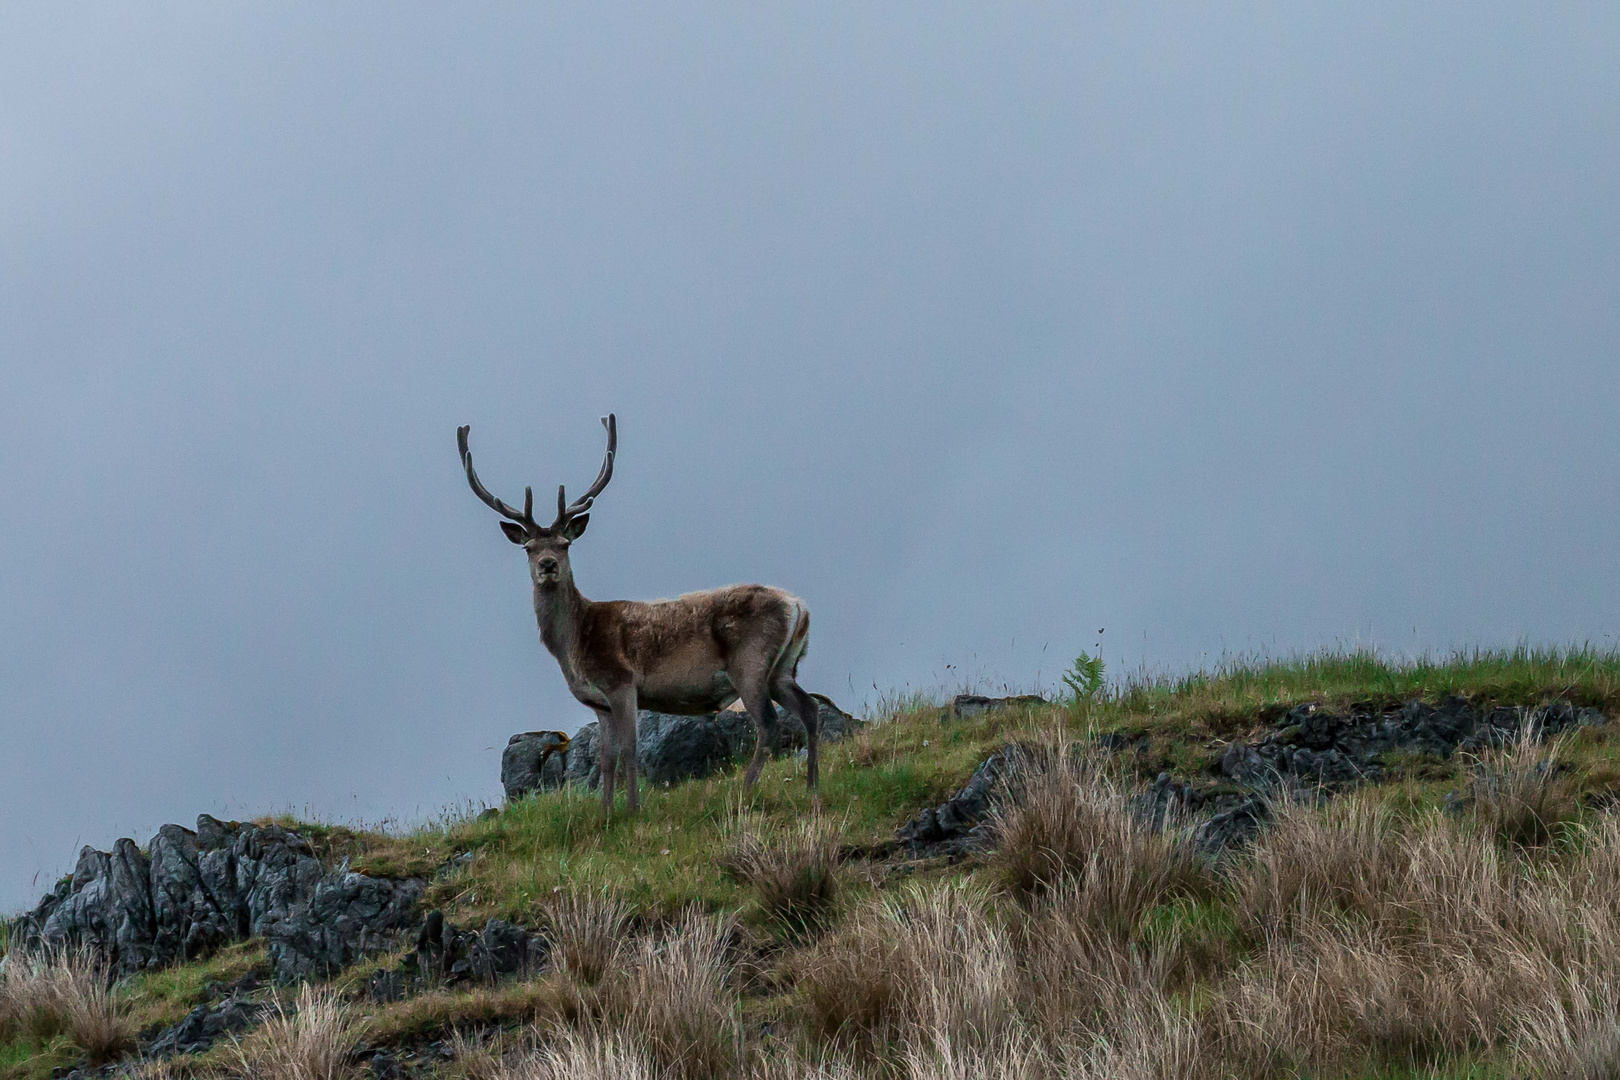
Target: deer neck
559 610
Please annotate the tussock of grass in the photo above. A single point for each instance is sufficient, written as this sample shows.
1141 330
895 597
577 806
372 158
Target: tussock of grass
793 871
587 933
314 1040
1073 825
65 993
590 1054
675 998
1521 794
436 1013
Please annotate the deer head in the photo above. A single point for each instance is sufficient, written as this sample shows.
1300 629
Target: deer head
546 545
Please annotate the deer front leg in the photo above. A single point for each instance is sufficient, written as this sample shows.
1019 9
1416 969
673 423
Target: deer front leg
607 757
624 720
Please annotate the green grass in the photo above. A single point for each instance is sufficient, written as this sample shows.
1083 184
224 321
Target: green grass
164 997
669 856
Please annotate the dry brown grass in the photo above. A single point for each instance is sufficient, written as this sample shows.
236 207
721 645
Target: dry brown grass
794 872
587 931
314 1040
675 998
64 992
477 1057
591 1054
932 962
1313 860
1522 793
1073 823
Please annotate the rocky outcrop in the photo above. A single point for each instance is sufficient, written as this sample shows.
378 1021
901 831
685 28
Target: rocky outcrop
669 748
1310 753
958 823
190 892
448 955
1313 746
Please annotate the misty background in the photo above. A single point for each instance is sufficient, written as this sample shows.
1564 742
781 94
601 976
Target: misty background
1242 328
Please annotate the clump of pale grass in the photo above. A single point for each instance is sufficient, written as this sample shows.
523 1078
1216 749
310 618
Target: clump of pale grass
68 992
1073 821
314 1040
933 962
1345 856
1012 1056
674 998
1574 1032
592 1054
1149 1036
475 1058
1072 972
794 874
792 1063
1520 795
587 933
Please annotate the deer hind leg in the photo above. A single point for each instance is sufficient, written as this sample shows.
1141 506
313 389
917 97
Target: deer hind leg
792 696
752 680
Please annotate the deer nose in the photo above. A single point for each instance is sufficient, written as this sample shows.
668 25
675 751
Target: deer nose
548 565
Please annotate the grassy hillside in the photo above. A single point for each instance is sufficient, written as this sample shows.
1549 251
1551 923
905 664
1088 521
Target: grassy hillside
726 932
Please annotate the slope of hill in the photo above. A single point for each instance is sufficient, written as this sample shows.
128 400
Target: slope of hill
1331 866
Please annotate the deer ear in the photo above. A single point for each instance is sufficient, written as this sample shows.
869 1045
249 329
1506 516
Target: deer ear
576 527
515 532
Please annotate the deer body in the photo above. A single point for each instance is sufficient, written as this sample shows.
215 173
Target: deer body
693 654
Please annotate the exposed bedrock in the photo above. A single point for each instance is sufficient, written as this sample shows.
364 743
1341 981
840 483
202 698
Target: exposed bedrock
1309 749
190 892
1312 745
669 748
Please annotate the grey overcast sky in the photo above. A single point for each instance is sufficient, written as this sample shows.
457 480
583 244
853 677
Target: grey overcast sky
1226 327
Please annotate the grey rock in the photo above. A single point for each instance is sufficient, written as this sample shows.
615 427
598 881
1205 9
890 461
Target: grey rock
188 920
966 705
347 916
954 821
1231 828
207 1023
533 762
670 749
192 892
447 955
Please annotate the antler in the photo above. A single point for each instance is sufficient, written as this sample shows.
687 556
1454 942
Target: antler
526 519
567 511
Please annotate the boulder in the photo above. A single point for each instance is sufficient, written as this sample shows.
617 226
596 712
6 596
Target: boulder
534 761
966 705
672 748
1314 747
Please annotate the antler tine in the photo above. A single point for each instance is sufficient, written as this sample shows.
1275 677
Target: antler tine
566 510
525 518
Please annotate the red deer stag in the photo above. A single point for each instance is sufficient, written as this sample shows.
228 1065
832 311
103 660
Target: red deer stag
694 654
